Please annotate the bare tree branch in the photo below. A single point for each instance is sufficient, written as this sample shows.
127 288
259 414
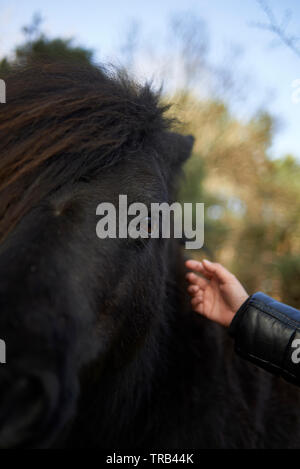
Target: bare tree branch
279 28
129 47
33 30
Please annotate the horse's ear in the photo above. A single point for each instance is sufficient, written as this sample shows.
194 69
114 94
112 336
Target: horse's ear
179 148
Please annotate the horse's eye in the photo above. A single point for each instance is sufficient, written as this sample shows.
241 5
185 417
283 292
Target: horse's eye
150 227
146 225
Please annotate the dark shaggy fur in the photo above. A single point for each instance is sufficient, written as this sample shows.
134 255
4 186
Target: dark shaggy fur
102 348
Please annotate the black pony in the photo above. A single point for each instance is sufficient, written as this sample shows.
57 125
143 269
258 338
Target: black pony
103 350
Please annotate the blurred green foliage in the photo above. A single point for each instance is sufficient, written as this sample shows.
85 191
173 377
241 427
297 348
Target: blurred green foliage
252 217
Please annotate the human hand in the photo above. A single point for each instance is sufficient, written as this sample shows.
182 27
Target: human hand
218 294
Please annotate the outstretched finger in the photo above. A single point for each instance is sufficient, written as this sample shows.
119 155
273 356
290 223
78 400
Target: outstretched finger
196 280
193 289
216 269
194 265
198 267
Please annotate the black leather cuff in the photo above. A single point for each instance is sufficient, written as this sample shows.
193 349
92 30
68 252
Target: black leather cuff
266 333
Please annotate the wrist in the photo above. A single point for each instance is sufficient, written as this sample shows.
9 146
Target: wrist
238 314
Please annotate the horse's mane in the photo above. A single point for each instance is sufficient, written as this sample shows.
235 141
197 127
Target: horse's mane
63 122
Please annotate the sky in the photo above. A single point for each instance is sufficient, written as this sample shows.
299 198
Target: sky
267 67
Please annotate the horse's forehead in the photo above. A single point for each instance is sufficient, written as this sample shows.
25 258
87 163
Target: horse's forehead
141 173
